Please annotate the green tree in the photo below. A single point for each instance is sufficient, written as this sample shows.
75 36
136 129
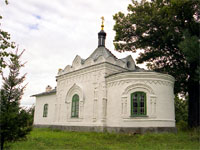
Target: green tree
5 43
31 112
181 109
15 121
168 32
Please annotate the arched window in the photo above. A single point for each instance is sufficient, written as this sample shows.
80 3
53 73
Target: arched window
45 110
128 64
138 104
75 106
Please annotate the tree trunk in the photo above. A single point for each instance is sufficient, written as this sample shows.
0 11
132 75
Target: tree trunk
194 103
2 142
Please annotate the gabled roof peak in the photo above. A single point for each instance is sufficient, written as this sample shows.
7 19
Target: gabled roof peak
101 51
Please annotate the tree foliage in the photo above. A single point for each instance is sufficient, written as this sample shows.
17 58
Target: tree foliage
168 32
190 47
15 122
181 112
31 112
5 43
181 109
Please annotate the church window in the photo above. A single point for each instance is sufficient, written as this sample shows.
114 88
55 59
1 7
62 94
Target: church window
138 104
45 111
128 64
75 106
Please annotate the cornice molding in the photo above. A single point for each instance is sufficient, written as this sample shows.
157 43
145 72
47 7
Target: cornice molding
144 77
89 69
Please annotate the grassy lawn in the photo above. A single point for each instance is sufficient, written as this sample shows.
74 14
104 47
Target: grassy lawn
47 139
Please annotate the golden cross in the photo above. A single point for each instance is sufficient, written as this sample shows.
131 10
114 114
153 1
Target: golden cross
102 25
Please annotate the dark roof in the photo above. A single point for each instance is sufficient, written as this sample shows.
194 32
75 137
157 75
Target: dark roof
102 33
45 93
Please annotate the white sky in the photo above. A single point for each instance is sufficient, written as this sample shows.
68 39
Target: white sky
53 32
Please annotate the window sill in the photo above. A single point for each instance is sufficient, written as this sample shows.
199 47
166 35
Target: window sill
139 116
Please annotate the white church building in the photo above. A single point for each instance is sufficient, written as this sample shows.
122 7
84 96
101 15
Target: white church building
104 93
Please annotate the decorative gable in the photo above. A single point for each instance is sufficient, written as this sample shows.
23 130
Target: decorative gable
76 64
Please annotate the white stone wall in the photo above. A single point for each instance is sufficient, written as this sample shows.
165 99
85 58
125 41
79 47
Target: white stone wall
160 99
105 100
89 83
39 107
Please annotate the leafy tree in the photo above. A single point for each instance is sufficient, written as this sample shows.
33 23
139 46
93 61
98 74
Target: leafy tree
15 122
181 112
4 45
168 32
181 109
31 114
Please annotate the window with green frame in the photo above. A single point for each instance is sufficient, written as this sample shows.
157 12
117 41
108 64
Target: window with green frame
75 106
45 110
138 104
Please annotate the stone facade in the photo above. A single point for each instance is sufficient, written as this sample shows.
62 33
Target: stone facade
104 85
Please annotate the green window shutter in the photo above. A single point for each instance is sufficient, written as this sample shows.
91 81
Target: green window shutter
75 106
138 104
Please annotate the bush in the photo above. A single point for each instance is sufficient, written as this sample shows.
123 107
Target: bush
181 109
182 125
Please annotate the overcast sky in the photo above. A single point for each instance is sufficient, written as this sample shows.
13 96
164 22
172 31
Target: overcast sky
53 32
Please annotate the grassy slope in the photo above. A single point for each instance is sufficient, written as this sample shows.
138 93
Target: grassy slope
46 139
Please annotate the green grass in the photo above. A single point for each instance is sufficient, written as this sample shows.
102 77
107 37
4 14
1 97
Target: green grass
47 139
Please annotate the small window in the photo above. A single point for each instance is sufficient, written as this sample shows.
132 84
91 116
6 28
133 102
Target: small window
138 104
75 106
128 64
45 111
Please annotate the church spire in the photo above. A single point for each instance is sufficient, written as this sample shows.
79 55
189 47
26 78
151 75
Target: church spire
101 35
